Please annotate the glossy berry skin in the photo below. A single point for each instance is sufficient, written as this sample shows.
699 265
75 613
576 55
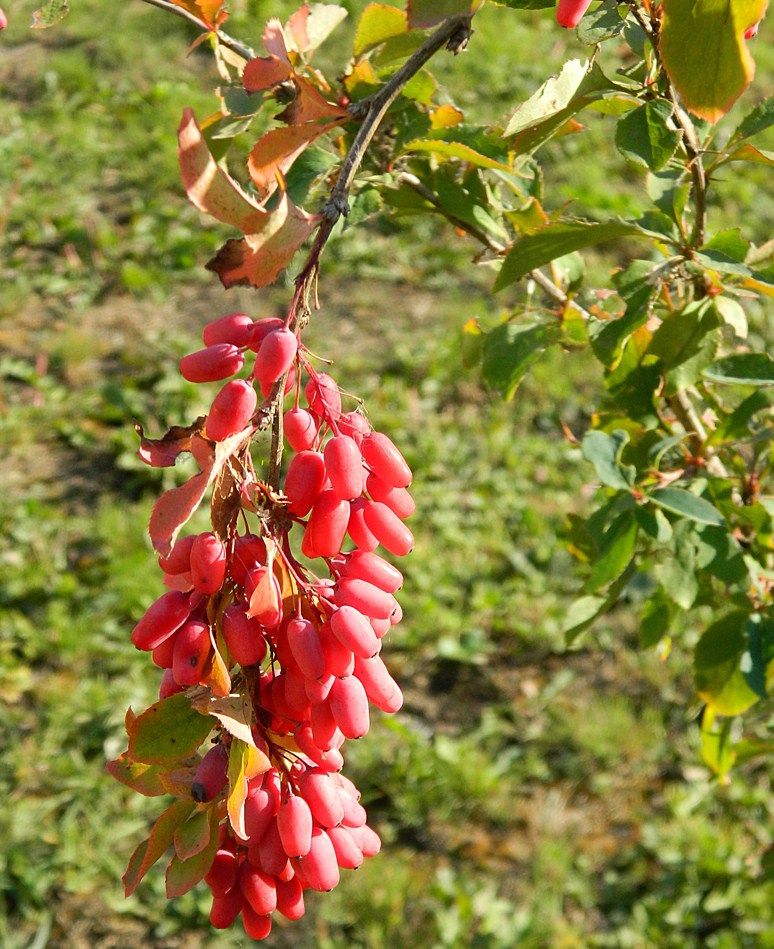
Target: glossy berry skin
211 775
231 410
570 12
275 355
234 328
212 364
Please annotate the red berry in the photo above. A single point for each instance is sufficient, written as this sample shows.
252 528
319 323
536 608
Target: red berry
261 329
178 560
192 650
348 855
304 481
161 619
304 643
211 364
356 526
290 898
349 707
397 499
327 524
570 12
211 775
259 889
365 597
379 685
226 908
231 410
355 425
319 865
234 328
294 822
365 565
389 529
385 461
323 396
354 631
300 427
275 355
222 875
244 637
344 464
208 563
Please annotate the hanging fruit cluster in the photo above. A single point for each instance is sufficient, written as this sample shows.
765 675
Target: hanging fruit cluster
270 634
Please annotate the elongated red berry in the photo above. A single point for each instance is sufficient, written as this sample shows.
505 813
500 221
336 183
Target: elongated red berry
244 636
570 12
354 631
192 649
178 560
385 461
349 706
161 619
300 428
275 355
304 643
322 796
208 563
261 329
168 685
397 499
367 598
344 464
304 481
212 364
259 889
319 866
339 658
260 809
365 565
328 523
323 396
389 529
226 908
367 839
211 775
222 875
325 731
357 528
234 328
249 552
290 898
379 685
348 855
256 926
231 410
294 823
163 653
355 425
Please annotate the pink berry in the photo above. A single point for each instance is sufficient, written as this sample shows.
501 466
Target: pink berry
211 774
294 822
192 650
304 481
349 707
385 461
570 12
323 396
275 355
161 619
344 464
389 529
234 328
208 563
212 364
300 427
244 637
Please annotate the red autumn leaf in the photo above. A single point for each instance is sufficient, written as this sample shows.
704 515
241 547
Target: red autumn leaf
163 452
176 506
310 105
297 28
265 71
209 187
256 259
277 150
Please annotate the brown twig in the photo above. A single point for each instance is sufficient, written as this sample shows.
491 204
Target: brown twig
229 42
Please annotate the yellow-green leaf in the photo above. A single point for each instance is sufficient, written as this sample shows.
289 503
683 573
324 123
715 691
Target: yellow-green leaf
704 51
168 731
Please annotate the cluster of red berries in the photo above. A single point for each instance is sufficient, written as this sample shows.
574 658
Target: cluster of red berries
307 639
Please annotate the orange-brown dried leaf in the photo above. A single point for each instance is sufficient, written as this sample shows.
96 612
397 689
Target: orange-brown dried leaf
265 71
276 151
310 105
163 452
257 259
209 187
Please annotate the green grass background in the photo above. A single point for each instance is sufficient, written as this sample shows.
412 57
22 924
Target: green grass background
527 795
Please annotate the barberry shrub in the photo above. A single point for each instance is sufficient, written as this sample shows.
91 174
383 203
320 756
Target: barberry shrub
269 636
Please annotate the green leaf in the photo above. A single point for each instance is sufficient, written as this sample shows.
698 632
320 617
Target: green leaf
717 666
617 550
558 99
50 14
686 343
751 369
717 745
644 136
556 240
749 153
636 287
602 24
581 614
655 619
183 875
426 13
682 502
704 53
732 314
451 149
193 836
377 24
509 351
758 120
168 731
604 452
150 850
758 662
677 574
